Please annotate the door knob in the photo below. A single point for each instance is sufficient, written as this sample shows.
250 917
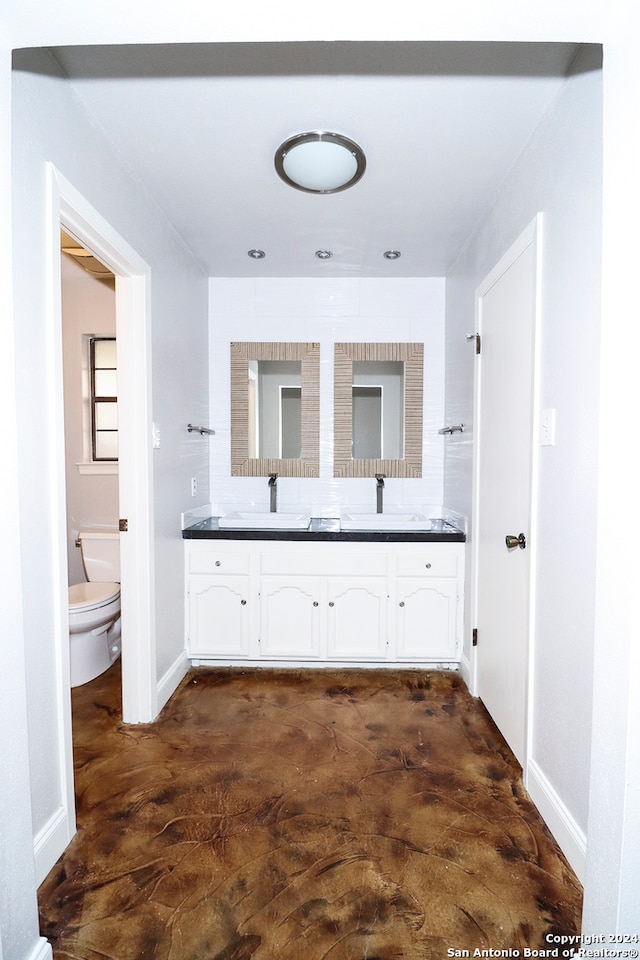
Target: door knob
519 541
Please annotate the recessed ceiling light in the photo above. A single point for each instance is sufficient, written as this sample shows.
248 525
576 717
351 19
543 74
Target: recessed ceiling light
320 162
391 254
256 254
324 254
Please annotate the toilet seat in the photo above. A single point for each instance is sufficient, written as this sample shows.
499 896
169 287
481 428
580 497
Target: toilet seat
92 596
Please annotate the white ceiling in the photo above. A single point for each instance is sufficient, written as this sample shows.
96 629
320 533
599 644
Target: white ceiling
441 125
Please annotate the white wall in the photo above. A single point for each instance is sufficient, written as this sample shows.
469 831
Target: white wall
88 309
50 125
560 175
326 312
19 935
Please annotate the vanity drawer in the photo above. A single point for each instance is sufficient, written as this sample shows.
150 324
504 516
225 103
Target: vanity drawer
213 561
437 562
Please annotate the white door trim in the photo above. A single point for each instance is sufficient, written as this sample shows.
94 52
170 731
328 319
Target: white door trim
133 328
133 331
532 234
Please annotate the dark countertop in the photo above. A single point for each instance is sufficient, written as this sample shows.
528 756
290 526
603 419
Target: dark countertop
326 529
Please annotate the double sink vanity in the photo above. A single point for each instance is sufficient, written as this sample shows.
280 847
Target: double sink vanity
288 588
284 587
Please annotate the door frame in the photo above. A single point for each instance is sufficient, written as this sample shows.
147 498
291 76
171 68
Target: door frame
68 208
531 235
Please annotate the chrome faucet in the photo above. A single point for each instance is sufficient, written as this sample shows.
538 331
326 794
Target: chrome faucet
273 492
379 491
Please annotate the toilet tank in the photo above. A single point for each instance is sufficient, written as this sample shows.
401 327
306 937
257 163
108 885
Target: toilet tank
101 554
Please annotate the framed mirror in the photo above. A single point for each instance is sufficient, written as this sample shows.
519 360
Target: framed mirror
378 393
275 409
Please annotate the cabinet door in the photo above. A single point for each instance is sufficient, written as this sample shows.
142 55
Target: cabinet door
219 616
357 621
290 617
426 618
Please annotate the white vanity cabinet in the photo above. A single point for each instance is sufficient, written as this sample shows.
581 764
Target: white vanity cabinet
324 601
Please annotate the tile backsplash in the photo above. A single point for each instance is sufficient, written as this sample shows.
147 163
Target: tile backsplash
327 311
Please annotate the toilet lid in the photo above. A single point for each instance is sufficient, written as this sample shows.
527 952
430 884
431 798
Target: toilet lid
83 596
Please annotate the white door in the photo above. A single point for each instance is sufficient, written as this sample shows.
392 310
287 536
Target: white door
506 312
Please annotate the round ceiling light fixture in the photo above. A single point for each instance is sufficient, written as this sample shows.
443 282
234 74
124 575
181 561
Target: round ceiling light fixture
320 162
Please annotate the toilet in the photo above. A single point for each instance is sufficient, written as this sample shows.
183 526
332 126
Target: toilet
94 607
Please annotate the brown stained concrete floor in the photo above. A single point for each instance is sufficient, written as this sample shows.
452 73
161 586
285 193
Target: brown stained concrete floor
315 815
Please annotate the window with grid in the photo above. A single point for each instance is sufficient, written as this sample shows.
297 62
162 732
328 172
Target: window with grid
104 398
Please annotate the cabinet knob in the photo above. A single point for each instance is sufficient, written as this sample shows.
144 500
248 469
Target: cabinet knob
218 563
331 603
401 604
428 566
315 603
243 602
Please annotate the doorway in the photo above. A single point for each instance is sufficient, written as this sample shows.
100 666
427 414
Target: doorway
68 209
90 396
507 305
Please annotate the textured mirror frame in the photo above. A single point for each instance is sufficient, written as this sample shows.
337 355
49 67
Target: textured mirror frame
308 464
344 355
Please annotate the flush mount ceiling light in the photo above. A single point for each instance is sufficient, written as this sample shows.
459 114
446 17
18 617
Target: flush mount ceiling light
320 162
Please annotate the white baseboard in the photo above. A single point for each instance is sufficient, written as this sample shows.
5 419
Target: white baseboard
326 664
41 951
50 842
465 670
571 839
168 683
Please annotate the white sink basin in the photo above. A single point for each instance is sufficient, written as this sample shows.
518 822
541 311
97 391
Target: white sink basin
265 521
384 521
